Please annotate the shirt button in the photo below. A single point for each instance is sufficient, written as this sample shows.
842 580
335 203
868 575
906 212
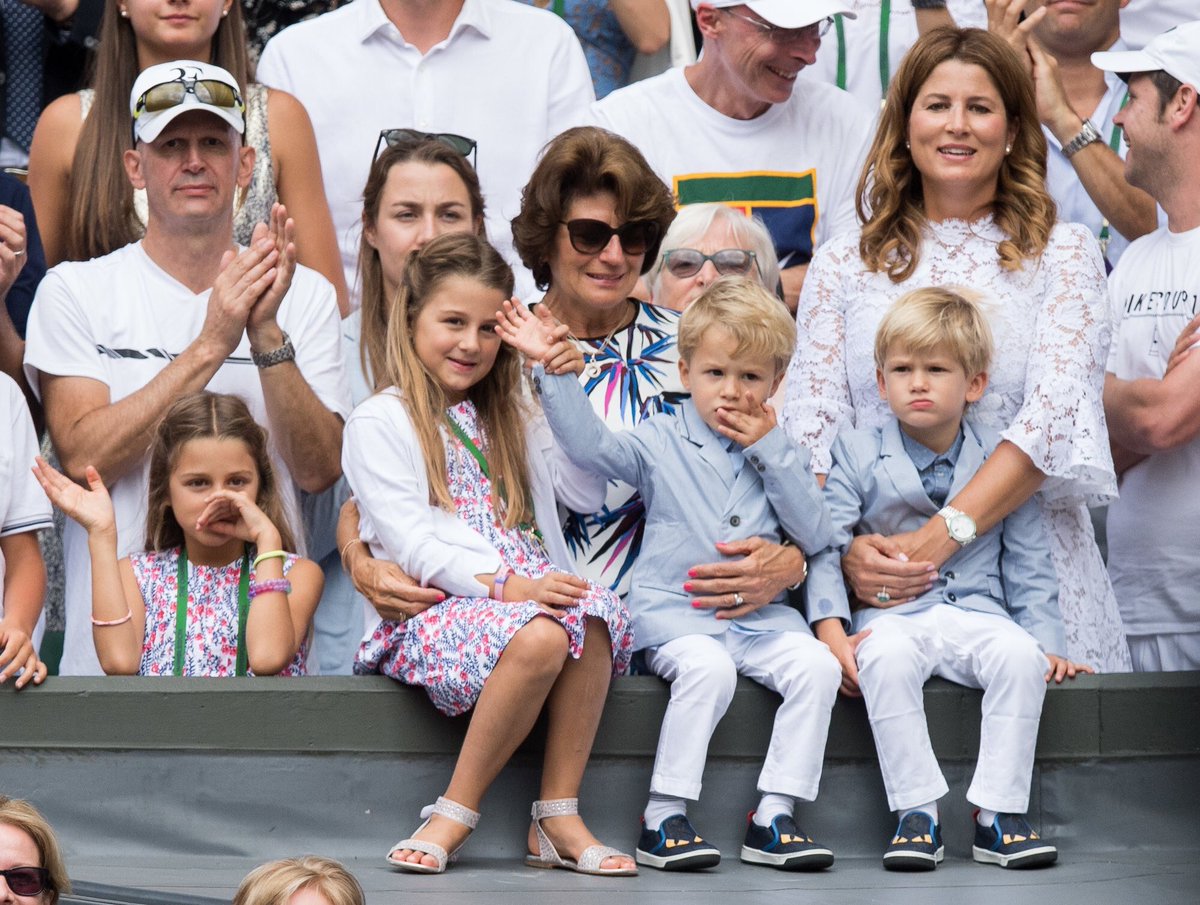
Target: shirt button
950 575
735 520
952 598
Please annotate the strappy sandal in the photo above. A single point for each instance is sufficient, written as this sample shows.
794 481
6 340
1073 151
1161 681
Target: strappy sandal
443 807
593 856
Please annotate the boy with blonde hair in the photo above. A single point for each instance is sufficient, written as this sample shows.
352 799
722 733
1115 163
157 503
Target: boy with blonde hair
990 619
718 469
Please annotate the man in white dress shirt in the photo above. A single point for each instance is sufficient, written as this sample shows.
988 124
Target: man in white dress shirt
506 75
1150 394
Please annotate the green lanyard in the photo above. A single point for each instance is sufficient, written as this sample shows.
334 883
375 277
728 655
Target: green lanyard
885 72
1114 142
474 450
181 613
559 8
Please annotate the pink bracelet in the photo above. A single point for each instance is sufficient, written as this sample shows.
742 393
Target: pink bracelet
107 622
502 575
270 585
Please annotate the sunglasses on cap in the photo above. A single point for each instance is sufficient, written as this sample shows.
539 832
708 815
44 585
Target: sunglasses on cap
170 94
395 137
686 262
590 237
26 881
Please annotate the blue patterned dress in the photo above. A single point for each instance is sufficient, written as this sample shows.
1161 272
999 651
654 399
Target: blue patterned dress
451 648
609 52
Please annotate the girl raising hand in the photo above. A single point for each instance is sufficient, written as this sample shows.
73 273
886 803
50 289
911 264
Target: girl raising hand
216 593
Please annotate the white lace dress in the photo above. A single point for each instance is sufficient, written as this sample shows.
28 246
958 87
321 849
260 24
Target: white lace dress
1051 326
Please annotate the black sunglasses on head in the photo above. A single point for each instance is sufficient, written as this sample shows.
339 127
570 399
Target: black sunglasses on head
395 137
590 237
26 881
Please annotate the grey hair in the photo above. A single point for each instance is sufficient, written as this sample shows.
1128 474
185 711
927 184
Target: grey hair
693 221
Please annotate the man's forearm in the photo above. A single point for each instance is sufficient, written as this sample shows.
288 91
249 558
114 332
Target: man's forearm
307 434
1129 210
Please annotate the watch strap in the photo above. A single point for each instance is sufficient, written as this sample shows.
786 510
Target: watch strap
1086 136
286 352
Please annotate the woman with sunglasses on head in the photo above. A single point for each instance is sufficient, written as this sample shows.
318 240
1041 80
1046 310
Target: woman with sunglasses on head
31 865
85 205
592 220
705 242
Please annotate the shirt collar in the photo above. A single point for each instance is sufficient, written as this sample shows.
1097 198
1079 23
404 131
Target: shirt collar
475 14
923 457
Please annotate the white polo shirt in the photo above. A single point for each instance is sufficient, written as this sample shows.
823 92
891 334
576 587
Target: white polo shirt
509 76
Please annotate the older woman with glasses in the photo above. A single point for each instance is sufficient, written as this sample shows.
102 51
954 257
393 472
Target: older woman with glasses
592 220
707 241
31 866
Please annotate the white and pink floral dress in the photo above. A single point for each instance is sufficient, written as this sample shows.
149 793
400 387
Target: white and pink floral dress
450 649
212 616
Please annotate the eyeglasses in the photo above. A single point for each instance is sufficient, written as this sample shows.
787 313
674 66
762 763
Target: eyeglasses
170 94
26 881
396 137
686 262
590 237
778 35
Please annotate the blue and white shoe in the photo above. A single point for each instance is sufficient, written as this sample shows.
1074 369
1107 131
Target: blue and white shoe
784 846
675 845
917 844
1011 842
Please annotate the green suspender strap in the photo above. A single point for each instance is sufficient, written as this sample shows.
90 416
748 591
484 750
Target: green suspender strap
885 73
181 613
1114 142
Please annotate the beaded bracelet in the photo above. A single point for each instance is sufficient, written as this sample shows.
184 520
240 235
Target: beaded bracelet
107 622
271 584
273 554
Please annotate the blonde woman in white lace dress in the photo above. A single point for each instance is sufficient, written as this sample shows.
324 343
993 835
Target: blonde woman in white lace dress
955 183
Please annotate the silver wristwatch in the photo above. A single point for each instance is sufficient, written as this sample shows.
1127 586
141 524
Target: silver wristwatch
286 352
960 526
1086 136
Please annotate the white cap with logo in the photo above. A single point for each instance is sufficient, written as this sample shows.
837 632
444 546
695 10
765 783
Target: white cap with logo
1176 52
162 92
787 13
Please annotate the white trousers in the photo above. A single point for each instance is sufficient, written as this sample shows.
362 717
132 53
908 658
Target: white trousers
703 671
1168 652
980 650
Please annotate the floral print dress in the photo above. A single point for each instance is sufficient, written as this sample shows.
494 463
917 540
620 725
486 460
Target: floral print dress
212 616
451 648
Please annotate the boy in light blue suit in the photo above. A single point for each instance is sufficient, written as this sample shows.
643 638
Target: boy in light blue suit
718 469
990 619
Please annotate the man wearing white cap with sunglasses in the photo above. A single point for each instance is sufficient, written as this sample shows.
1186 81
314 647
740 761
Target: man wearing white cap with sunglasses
737 128
113 341
1150 394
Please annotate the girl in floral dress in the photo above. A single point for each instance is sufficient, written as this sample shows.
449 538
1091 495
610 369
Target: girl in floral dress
454 475
215 593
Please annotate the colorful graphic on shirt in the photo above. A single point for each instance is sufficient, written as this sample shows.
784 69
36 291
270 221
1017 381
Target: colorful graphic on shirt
785 202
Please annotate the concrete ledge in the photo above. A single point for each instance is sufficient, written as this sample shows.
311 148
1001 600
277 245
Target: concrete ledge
1122 716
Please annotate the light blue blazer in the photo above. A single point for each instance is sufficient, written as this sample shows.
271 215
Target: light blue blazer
693 500
874 488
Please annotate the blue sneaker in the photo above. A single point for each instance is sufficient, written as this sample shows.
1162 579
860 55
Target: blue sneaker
917 844
1011 842
784 846
675 845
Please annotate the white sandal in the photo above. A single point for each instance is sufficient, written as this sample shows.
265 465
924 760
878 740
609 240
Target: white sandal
443 807
592 857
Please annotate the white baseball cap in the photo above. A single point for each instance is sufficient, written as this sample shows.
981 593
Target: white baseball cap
162 92
1177 52
788 13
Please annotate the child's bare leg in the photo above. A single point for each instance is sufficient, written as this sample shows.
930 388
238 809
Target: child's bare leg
506 710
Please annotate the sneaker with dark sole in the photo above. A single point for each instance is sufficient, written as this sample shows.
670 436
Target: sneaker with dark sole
1011 842
917 844
675 845
784 846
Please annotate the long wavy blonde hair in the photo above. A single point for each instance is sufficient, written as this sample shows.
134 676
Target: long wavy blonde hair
497 396
891 197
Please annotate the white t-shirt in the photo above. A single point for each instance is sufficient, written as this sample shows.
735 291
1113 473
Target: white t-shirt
23 505
509 76
1153 556
121 319
1142 20
861 48
796 166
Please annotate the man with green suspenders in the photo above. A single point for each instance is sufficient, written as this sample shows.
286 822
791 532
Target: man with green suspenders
1076 104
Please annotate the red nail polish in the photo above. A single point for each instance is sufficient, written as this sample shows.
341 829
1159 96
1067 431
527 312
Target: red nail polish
696 604
691 573
441 597
687 586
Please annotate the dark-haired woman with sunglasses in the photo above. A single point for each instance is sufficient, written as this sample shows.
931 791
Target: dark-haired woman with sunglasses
592 220
31 865
85 204
705 242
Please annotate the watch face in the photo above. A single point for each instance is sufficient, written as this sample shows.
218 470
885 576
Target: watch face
962 527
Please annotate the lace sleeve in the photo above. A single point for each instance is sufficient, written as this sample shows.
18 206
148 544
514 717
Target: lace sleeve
1060 424
817 402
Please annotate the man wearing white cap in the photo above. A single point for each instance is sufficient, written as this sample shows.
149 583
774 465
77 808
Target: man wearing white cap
113 341
736 127
1150 394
